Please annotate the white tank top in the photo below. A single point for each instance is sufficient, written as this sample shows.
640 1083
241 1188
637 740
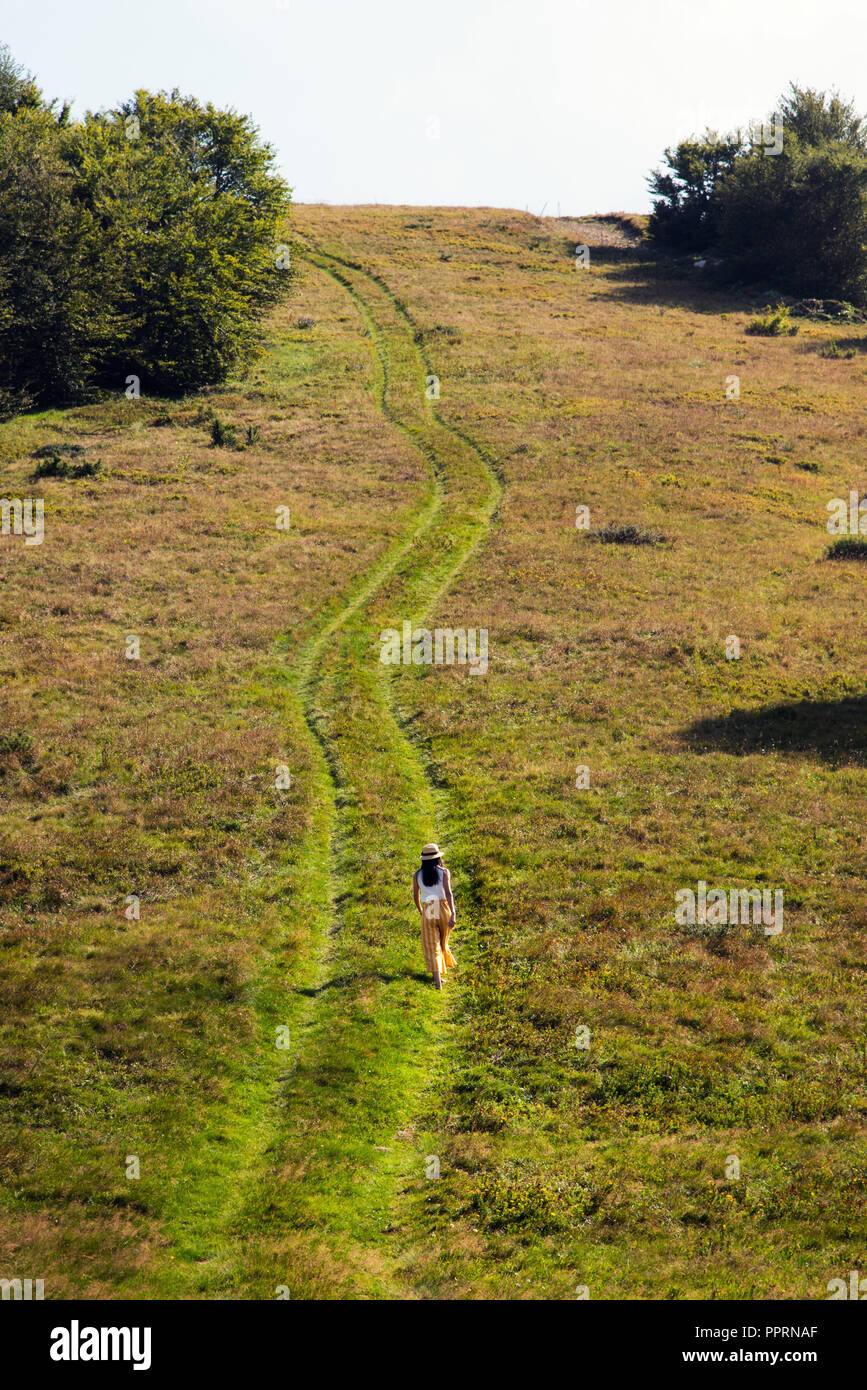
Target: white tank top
428 891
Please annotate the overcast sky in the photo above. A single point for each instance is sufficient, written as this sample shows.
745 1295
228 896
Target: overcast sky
562 104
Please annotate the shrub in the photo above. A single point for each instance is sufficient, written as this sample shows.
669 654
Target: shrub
829 311
54 466
629 535
848 548
57 467
223 436
527 1203
833 349
775 323
18 746
438 332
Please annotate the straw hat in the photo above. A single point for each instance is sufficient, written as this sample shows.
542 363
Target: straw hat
431 852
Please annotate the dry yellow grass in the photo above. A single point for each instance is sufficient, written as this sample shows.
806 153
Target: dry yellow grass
602 387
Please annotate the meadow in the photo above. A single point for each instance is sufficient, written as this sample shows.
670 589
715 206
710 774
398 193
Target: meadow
618 1106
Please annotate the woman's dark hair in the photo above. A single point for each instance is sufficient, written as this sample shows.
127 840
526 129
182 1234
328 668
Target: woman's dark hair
429 871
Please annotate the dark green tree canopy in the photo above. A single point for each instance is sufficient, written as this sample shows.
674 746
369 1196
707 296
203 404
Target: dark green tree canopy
136 241
685 211
18 89
794 216
817 118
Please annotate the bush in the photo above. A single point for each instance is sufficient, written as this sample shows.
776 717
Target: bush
833 349
629 535
19 747
775 323
526 1203
223 436
848 548
54 466
828 311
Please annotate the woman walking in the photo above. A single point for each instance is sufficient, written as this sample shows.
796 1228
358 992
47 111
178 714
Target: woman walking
432 891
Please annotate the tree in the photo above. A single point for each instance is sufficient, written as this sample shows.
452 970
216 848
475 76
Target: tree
190 210
815 118
51 305
794 217
140 241
685 211
798 221
18 89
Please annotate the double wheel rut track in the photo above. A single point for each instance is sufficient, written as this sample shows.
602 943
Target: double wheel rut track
334 1142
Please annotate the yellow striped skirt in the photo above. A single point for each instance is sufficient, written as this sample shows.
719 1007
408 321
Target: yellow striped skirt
436 924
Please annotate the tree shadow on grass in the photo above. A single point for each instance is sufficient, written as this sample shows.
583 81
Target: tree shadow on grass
833 730
600 253
850 344
648 279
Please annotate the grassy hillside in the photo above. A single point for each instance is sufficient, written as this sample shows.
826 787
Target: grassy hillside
603 1167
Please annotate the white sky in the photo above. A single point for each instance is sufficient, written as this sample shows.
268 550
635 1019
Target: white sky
557 102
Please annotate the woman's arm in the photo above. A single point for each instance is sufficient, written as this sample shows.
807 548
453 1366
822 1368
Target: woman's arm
415 890
447 885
